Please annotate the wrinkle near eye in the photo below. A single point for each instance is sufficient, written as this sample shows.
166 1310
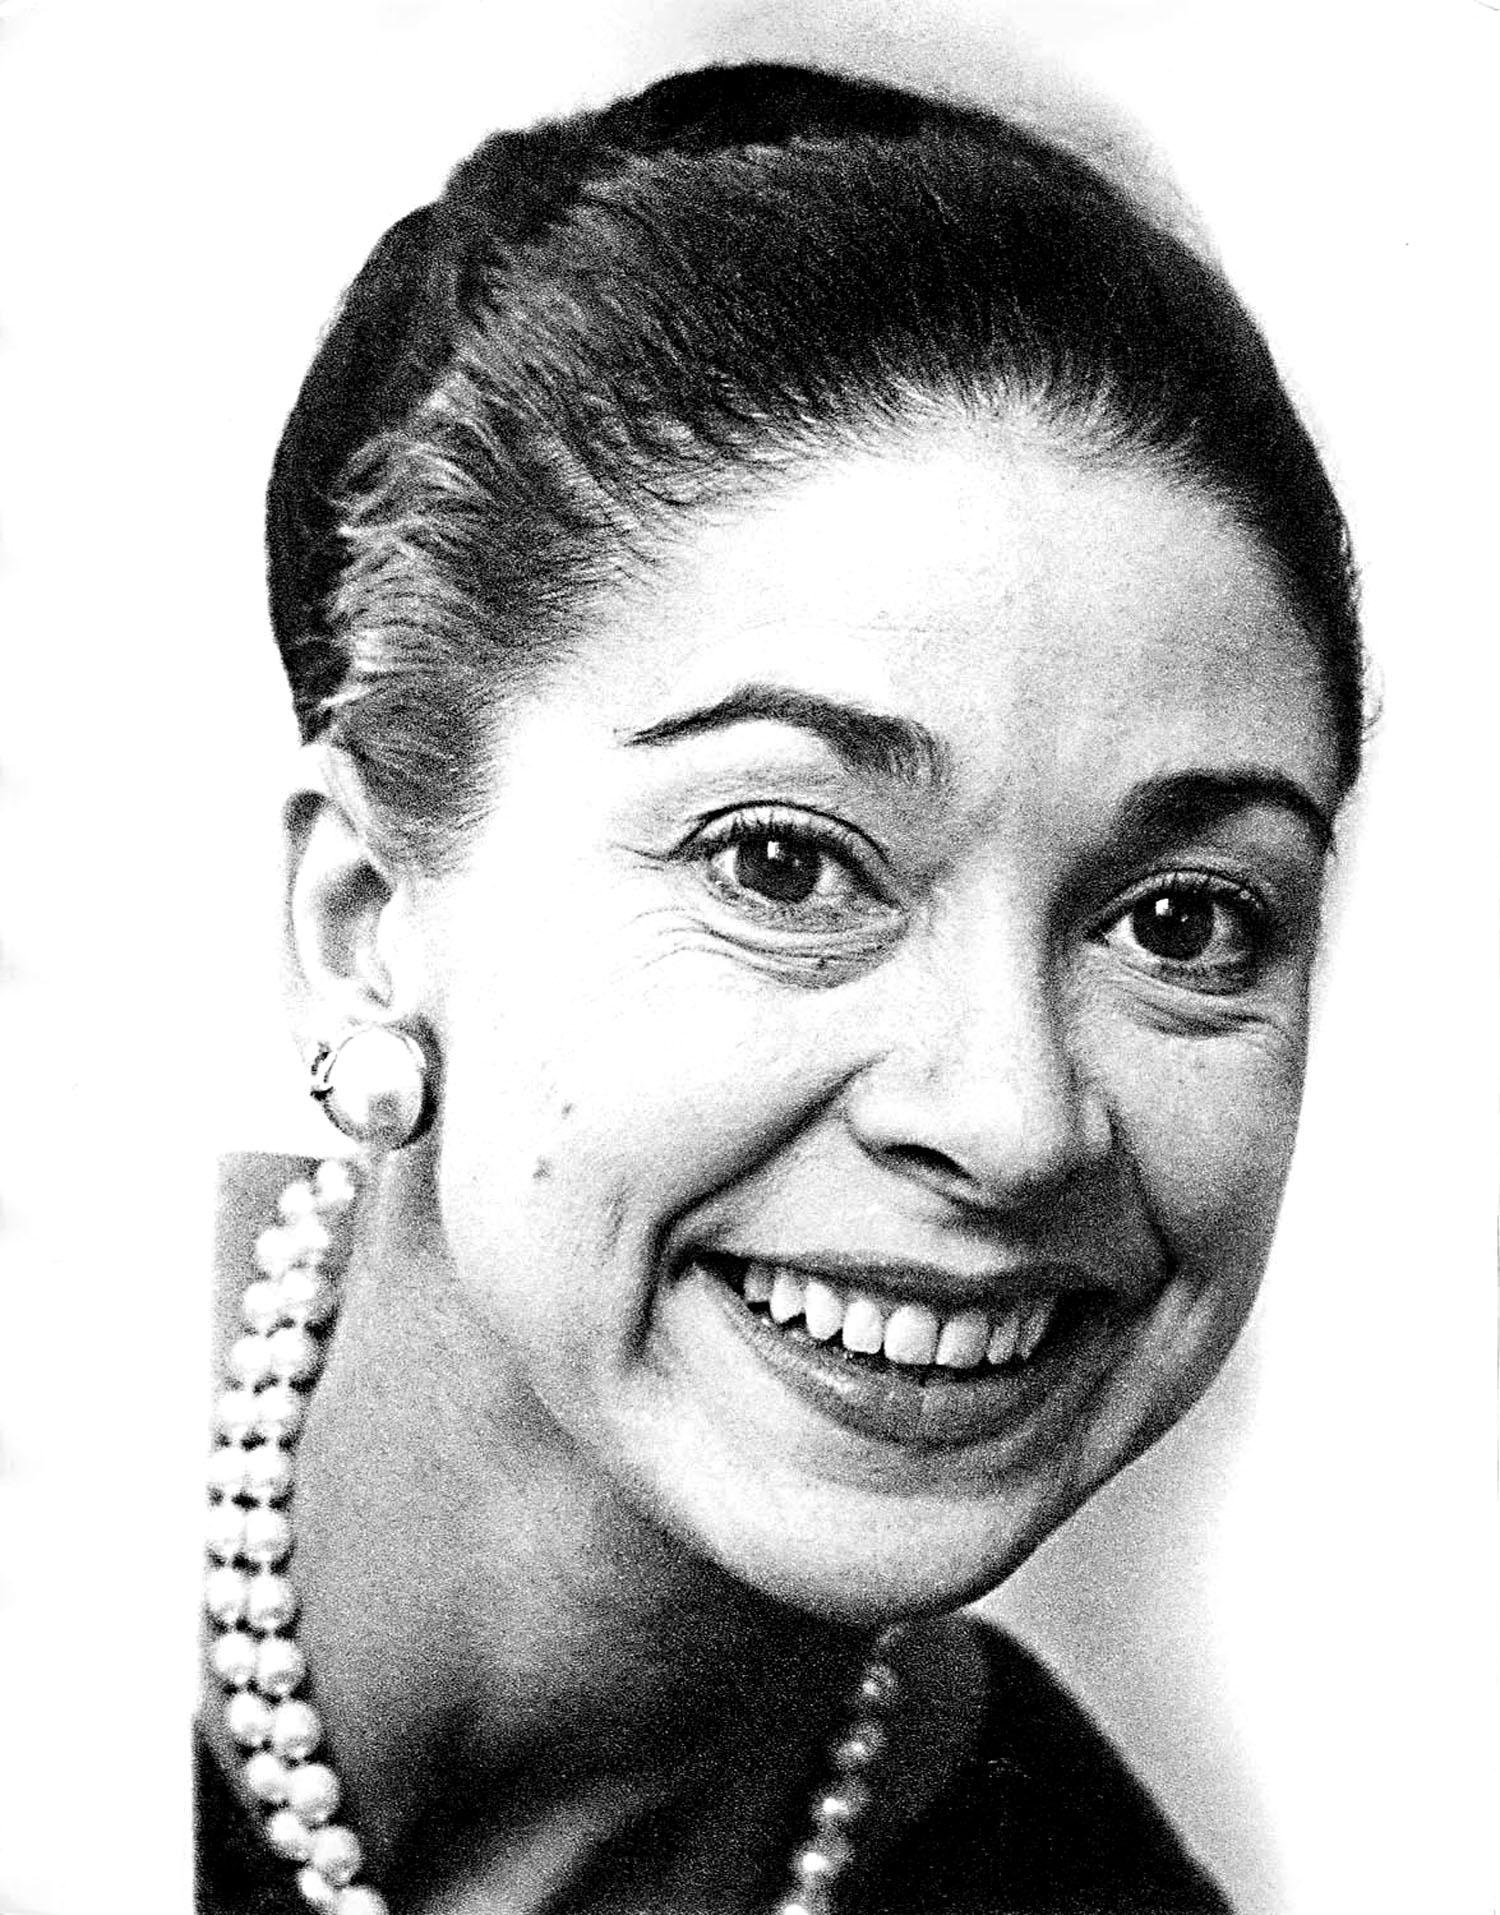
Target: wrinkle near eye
1163 1008
678 935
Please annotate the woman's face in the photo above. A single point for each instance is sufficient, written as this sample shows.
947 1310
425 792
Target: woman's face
873 1013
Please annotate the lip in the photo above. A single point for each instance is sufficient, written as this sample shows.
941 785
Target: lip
932 1409
946 1290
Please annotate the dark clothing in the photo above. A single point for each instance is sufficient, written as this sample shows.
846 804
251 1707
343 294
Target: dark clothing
1044 1819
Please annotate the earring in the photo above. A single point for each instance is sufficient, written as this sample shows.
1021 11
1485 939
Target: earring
375 1085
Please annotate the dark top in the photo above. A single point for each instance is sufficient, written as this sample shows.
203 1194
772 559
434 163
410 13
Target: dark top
1044 1819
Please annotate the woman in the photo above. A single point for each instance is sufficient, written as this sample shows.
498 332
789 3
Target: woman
829 667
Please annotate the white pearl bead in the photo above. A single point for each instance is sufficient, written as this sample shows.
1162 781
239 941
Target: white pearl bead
273 1250
317 1891
294 1355
225 1531
289 1835
262 1305
844 1804
226 1469
278 1412
279 1667
313 1791
863 1745
360 1900
249 1360
879 1687
225 1593
295 1730
270 1602
236 1412
820 1861
266 1778
335 1186
266 1473
249 1718
232 1658
336 1853
267 1536
308 1240
307 1298
297 1200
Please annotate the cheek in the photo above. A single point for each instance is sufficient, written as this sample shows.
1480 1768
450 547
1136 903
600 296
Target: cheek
1208 1124
588 1104
1205 1126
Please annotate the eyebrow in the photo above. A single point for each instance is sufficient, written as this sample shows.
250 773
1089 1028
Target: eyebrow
1180 803
866 741
1176 804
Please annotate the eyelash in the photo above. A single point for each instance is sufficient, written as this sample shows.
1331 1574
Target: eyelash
806 832
825 839
1253 924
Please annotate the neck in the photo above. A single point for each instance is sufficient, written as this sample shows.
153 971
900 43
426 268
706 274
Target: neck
518 1670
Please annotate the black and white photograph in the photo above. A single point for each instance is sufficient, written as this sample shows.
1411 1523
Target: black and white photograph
748 940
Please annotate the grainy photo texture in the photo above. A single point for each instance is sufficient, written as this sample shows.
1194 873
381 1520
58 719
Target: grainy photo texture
822 712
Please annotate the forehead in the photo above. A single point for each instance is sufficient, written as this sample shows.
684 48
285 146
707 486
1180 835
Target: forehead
1022 603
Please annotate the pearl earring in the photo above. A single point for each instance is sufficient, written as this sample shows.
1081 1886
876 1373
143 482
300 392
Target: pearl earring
375 1085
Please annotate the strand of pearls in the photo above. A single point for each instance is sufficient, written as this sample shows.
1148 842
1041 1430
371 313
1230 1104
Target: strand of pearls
288 1307
848 1793
292 1295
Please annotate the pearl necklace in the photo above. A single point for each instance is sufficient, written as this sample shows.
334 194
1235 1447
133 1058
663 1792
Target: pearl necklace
288 1307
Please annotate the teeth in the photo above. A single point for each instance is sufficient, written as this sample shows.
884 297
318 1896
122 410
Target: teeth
964 1339
1033 1326
1002 1344
911 1334
864 1327
823 1311
786 1297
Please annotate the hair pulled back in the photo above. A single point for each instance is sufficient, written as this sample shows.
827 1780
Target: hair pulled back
608 319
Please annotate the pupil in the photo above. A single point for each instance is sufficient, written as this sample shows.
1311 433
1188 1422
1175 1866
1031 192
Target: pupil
1174 926
783 872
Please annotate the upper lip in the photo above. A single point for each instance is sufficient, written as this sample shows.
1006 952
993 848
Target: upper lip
903 1281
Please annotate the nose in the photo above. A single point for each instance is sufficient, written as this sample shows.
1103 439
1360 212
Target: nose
979 1094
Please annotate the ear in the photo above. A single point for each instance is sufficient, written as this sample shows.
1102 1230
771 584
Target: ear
350 959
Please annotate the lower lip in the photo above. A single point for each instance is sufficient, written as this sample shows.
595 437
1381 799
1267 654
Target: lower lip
930 1408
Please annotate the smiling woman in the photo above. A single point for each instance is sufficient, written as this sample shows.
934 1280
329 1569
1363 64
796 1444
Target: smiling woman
828 668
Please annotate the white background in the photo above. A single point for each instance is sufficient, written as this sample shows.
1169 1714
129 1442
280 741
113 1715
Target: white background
1286 1614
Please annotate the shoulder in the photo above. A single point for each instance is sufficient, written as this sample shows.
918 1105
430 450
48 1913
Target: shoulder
1045 1818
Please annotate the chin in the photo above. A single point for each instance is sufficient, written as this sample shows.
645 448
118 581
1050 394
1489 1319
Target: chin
853 1488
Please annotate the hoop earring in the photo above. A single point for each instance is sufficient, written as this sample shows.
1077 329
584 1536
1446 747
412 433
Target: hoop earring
375 1084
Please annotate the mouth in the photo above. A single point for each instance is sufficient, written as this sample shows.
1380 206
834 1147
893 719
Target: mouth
911 1369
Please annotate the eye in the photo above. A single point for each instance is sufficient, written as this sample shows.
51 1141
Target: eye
785 869
797 869
1207 930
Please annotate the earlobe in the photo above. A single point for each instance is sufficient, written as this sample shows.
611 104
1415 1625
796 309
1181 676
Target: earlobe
340 902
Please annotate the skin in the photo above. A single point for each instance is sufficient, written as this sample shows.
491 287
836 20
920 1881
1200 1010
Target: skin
561 1522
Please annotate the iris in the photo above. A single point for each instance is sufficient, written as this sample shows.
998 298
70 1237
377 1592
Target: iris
1175 925
781 869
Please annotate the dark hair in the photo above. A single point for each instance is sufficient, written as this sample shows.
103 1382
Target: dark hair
611 317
